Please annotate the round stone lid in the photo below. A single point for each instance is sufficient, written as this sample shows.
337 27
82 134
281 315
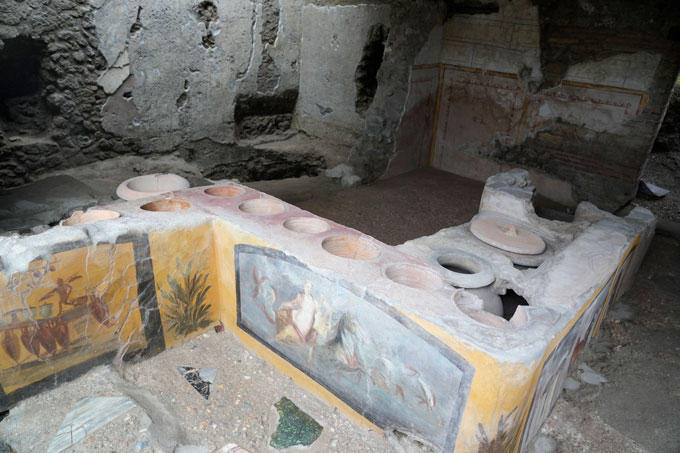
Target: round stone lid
507 236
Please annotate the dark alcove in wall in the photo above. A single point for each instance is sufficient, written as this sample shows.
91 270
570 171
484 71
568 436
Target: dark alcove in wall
22 109
366 75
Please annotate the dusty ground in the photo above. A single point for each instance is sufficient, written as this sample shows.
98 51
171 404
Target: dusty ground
663 170
637 352
663 166
170 412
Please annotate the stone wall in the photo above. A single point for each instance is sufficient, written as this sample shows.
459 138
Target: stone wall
575 94
56 121
248 89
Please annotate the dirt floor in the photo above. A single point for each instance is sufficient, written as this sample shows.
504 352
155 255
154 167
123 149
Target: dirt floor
663 170
638 352
663 166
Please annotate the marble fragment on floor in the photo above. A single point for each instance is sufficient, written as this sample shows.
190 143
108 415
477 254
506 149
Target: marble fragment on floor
199 378
86 416
295 426
232 448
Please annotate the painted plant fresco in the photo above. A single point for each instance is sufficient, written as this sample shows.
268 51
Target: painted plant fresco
615 291
503 440
185 303
384 371
186 287
60 313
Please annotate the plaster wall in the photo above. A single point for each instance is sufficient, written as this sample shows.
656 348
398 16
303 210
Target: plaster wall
221 84
578 106
328 64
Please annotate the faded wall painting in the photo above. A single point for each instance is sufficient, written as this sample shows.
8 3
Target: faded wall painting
61 312
556 366
498 438
615 292
351 345
186 289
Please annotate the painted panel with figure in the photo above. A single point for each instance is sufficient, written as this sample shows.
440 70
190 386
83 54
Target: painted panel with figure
556 366
616 289
78 305
354 346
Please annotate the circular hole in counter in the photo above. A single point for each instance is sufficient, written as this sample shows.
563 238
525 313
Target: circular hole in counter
150 185
351 247
413 276
458 264
466 270
93 215
472 306
514 316
261 206
158 183
307 225
512 301
225 191
166 205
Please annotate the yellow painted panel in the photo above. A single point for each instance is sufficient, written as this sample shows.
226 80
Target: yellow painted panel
62 312
185 271
497 396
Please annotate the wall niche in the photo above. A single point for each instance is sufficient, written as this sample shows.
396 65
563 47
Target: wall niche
22 108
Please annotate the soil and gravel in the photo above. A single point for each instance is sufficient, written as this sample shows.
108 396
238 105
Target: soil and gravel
663 166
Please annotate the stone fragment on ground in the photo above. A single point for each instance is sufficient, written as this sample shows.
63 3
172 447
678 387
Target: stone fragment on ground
590 376
191 449
572 384
232 448
543 444
576 429
621 312
199 378
85 417
295 427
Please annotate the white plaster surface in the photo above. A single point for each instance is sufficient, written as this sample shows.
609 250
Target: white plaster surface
162 65
113 20
505 41
632 71
431 51
555 291
114 77
415 130
599 110
329 59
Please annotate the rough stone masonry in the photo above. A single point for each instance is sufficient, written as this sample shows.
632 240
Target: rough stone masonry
267 89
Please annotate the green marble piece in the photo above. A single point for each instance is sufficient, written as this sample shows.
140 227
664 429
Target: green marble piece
295 426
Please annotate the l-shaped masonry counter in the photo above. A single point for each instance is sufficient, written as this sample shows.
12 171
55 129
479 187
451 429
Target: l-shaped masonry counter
417 338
